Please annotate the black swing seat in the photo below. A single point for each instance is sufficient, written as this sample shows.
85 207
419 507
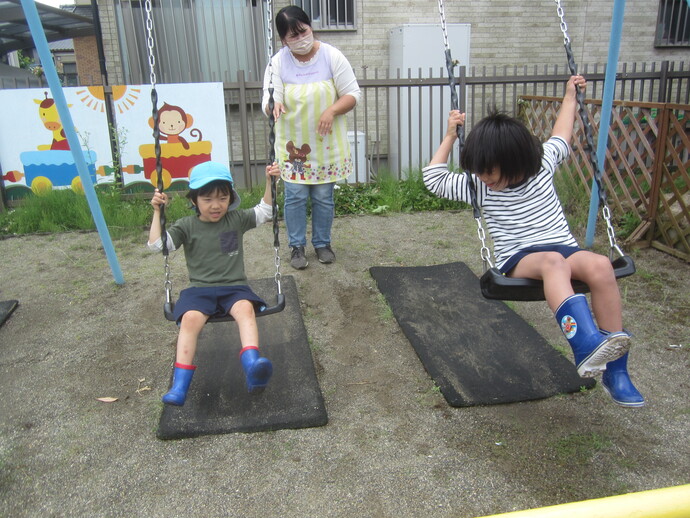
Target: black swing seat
497 286
168 309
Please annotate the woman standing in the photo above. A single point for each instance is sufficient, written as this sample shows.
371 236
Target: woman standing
314 87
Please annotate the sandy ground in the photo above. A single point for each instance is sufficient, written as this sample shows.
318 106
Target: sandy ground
392 447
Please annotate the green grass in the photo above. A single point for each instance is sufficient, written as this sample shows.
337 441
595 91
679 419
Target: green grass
574 197
65 210
581 449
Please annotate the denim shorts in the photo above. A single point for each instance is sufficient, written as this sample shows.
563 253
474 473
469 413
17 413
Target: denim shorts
215 301
565 250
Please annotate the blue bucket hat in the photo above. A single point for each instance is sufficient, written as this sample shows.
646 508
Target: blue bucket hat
207 172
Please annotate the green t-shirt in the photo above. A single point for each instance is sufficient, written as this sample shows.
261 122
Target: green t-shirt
214 251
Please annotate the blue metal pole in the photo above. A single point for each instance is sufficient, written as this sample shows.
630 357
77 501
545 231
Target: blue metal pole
606 106
41 43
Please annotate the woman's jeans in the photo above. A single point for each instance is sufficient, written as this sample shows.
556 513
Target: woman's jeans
322 212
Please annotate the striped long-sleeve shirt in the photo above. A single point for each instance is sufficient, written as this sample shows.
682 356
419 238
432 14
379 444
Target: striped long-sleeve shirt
529 214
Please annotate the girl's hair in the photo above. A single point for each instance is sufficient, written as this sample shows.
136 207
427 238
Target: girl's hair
290 20
503 141
221 186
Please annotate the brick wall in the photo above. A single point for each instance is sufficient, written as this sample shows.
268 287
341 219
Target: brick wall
88 68
506 32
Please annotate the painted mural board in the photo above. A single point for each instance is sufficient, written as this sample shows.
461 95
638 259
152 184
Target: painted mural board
35 156
34 153
192 126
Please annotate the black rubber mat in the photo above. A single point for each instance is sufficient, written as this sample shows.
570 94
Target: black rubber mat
218 401
478 351
6 309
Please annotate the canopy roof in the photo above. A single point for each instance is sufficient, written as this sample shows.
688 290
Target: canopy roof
58 24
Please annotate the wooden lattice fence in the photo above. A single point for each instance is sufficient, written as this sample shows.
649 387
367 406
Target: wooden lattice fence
647 167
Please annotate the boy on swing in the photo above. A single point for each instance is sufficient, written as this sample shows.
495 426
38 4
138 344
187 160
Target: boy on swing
212 241
513 175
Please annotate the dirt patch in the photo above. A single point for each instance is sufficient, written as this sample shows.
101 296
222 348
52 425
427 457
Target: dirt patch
393 447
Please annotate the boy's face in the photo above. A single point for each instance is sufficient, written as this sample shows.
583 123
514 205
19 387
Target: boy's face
213 206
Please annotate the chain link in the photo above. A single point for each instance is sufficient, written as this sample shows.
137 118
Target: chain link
278 276
271 141
269 29
442 13
564 26
149 41
485 252
610 232
168 283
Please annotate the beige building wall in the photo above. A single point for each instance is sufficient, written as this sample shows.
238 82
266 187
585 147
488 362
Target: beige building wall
507 33
503 32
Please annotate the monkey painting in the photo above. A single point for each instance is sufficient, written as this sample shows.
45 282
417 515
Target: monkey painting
172 121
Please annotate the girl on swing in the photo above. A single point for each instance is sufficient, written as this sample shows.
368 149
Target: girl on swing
212 241
513 174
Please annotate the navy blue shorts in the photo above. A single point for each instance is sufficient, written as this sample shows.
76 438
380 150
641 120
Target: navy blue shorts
564 250
215 301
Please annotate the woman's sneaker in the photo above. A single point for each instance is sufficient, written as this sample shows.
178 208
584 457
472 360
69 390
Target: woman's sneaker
298 259
325 254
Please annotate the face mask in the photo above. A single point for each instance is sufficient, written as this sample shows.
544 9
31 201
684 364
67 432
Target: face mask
302 46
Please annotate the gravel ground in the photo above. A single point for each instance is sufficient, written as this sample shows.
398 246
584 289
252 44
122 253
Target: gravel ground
392 447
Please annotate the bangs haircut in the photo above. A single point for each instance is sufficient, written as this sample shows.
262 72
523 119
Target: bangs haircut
499 140
290 20
223 187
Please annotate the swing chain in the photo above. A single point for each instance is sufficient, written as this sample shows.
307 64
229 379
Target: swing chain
155 117
269 29
157 144
606 213
564 26
278 276
442 13
450 65
591 151
149 41
168 282
484 251
272 140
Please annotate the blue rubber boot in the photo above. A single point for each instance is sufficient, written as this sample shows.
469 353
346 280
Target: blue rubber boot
257 370
592 349
182 377
616 381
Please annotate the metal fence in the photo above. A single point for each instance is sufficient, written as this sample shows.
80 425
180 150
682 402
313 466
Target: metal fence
401 118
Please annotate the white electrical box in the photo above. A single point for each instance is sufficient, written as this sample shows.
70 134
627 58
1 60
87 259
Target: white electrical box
359 158
417 122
